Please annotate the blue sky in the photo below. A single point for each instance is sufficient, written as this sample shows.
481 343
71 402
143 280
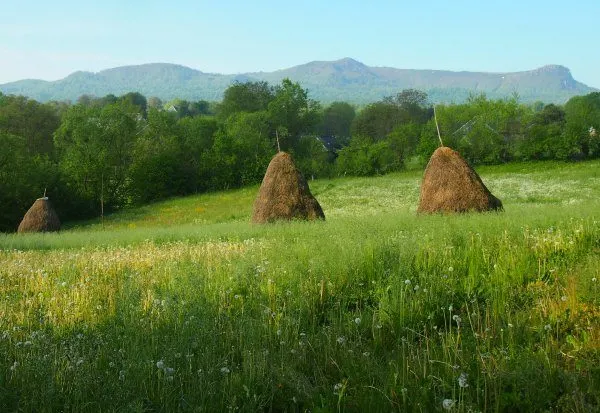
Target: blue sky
51 39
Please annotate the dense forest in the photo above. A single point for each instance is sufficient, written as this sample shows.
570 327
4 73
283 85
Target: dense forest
101 154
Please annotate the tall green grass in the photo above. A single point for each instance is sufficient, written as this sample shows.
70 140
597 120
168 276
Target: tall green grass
185 306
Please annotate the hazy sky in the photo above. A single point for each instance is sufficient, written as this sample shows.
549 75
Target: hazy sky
50 39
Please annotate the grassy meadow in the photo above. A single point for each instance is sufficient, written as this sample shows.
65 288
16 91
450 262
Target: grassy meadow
184 305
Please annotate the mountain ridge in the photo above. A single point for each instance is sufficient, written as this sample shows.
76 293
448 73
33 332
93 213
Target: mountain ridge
344 79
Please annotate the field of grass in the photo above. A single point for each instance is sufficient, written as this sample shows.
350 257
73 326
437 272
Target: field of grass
185 306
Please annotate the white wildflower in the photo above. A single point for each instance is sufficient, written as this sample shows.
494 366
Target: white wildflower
225 370
357 321
337 387
407 282
462 380
448 404
160 364
341 340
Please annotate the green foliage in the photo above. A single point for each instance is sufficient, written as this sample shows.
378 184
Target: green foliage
245 97
31 120
23 179
582 115
337 121
292 112
364 157
95 146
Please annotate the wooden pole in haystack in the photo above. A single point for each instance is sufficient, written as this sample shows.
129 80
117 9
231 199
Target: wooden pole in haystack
437 127
277 136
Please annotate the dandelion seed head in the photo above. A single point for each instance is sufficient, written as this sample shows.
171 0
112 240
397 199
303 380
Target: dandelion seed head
160 364
448 404
225 370
407 282
357 321
462 380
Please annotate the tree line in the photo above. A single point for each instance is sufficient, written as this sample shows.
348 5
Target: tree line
101 154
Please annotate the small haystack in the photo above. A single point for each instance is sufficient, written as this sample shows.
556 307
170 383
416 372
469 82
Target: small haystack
41 217
451 185
284 194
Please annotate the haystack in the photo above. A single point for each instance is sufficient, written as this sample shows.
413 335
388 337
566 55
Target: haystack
284 194
41 217
451 185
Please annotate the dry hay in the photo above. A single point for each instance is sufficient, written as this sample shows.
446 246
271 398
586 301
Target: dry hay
451 185
41 217
284 194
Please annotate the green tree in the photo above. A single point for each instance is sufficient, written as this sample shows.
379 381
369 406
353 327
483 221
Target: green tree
293 113
95 146
23 178
337 121
245 97
544 138
31 120
582 114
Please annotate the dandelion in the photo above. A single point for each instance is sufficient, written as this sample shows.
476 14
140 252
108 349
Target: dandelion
279 332
510 325
169 371
122 375
563 298
357 321
448 404
407 282
457 318
27 343
225 370
462 380
160 364
450 269
416 288
79 362
341 340
337 387
450 308
594 280
14 366
547 327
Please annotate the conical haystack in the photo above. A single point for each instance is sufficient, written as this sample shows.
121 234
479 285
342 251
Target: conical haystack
284 194
41 217
451 185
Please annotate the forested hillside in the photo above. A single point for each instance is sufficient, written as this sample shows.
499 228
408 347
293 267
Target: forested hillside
345 79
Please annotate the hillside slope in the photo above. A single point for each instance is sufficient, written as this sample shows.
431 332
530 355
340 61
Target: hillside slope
345 79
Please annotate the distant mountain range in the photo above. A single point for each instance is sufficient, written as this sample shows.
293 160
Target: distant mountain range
327 81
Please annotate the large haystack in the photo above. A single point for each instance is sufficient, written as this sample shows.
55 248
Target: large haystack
41 217
284 194
451 185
